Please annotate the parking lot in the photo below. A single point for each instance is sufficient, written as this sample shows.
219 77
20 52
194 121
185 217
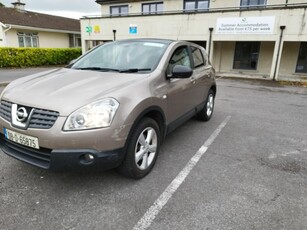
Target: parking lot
252 176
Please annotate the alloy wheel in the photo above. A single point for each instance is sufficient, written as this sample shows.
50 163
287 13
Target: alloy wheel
210 104
146 147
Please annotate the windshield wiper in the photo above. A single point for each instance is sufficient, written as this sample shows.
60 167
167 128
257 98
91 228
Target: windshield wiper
99 69
134 70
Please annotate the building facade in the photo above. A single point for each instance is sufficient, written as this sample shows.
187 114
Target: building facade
21 28
251 38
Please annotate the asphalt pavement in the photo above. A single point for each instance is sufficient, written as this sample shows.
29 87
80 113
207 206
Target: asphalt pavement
253 175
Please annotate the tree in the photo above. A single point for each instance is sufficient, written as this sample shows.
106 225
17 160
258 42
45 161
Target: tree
1 5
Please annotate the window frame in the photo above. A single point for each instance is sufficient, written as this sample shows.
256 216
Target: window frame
251 6
168 71
75 41
32 36
192 57
298 58
119 10
150 4
234 58
196 5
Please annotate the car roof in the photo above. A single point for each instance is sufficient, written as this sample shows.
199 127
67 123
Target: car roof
158 40
164 41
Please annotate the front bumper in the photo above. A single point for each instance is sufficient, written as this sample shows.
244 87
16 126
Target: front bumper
62 159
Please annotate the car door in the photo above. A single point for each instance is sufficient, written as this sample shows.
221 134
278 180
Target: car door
180 92
202 71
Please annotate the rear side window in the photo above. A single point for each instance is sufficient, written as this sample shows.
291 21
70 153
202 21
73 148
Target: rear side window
197 57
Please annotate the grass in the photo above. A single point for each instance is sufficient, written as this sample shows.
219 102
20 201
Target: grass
3 84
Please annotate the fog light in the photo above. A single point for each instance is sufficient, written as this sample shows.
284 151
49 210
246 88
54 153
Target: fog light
87 159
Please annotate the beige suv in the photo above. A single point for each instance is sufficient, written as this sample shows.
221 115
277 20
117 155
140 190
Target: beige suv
111 108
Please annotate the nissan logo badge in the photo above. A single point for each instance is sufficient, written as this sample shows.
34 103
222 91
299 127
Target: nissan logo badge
22 114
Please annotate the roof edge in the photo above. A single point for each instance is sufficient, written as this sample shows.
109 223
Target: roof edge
101 2
18 3
42 29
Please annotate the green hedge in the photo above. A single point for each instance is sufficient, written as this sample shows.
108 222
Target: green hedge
26 57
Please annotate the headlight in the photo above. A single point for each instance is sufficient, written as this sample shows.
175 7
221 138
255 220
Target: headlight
98 114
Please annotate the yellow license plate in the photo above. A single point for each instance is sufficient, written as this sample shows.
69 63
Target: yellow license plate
22 139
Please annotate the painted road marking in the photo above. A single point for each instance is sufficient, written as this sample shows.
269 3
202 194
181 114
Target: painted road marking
154 210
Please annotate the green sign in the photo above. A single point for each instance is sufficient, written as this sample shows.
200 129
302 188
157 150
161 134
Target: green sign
89 29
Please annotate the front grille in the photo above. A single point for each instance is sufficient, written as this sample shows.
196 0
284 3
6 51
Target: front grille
5 110
38 157
43 119
40 119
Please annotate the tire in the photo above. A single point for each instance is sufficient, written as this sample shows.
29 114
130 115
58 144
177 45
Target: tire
142 149
206 113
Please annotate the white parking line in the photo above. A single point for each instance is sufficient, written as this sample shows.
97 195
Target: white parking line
154 210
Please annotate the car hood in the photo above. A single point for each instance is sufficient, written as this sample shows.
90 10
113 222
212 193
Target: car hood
66 90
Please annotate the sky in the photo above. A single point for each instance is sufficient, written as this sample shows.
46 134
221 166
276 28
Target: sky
66 8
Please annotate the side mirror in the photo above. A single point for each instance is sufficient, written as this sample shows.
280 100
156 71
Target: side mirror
181 71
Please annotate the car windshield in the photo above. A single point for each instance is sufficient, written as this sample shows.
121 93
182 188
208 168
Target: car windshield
125 57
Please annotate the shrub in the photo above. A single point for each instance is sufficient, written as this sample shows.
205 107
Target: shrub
27 57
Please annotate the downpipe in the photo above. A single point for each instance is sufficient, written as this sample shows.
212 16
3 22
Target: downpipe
282 28
210 40
114 35
10 27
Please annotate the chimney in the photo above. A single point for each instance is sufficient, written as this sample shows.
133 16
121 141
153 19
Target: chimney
19 5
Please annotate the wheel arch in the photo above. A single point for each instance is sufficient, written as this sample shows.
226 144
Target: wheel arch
155 113
213 87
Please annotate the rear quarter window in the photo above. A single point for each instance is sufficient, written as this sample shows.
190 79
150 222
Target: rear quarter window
198 57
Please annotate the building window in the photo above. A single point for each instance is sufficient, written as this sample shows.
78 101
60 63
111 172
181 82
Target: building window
28 39
119 10
301 66
193 5
253 3
246 55
152 8
75 40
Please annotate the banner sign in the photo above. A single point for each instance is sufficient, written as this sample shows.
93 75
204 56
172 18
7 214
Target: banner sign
245 25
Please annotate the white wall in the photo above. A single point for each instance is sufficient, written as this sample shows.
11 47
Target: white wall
53 40
196 26
136 7
46 39
289 59
2 38
173 5
11 38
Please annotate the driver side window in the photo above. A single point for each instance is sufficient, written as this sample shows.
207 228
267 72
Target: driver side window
180 57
